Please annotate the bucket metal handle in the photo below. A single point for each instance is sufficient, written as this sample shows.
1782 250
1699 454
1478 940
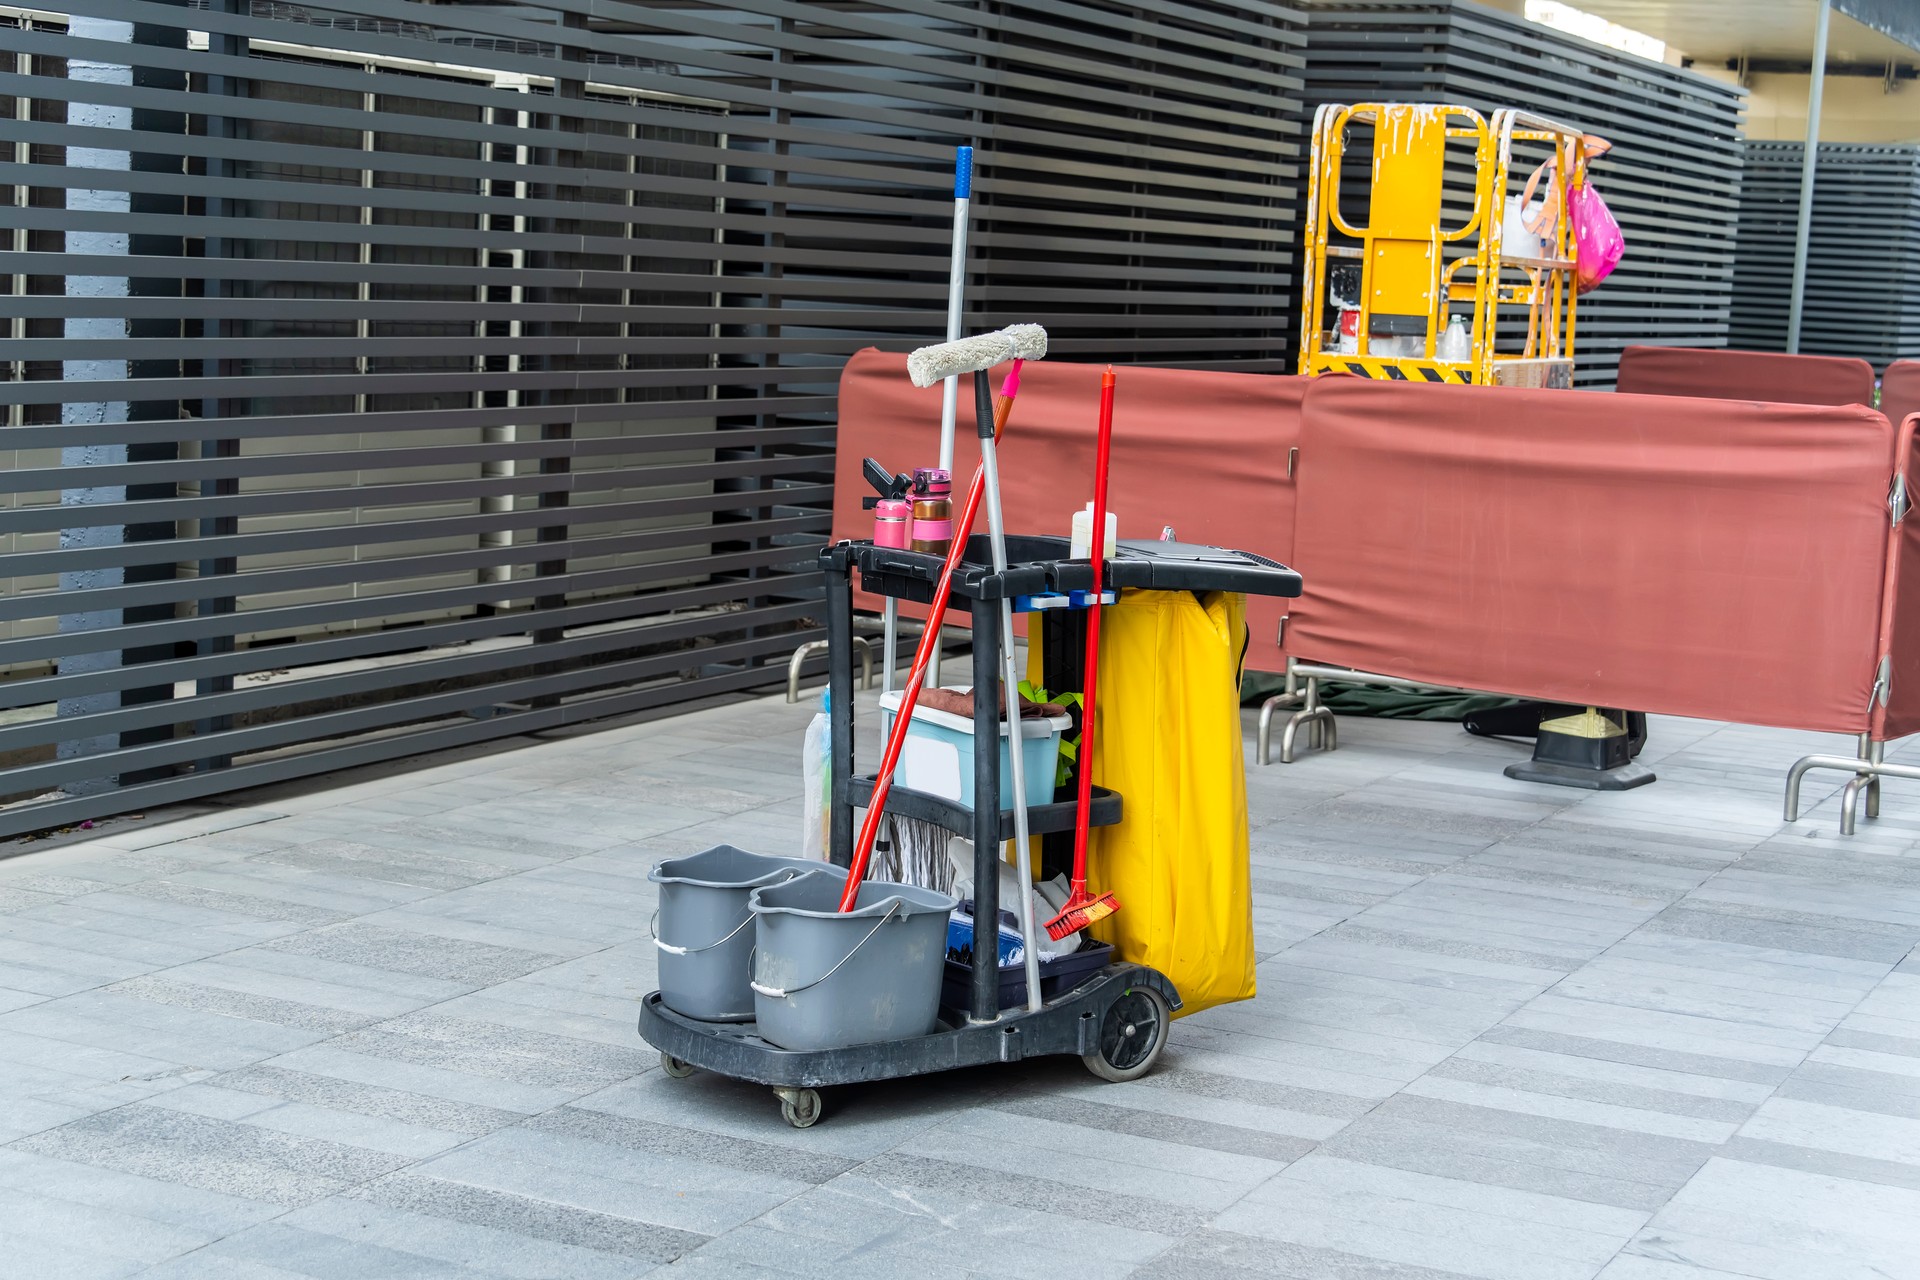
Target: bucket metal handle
781 993
653 930
672 950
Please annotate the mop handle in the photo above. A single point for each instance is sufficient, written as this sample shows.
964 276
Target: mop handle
929 641
956 296
1091 680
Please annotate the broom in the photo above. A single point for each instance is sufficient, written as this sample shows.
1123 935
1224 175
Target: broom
1082 908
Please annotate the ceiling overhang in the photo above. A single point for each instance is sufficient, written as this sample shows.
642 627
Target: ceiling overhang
1717 31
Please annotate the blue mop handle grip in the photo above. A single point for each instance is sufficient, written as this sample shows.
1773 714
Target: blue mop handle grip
963 173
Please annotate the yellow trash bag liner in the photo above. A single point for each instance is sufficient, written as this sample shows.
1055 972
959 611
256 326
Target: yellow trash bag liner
1168 739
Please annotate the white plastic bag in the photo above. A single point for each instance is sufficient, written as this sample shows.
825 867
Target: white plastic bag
1048 896
1517 239
817 784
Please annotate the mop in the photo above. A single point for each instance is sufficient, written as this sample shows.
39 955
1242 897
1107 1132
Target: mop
914 852
926 366
1082 908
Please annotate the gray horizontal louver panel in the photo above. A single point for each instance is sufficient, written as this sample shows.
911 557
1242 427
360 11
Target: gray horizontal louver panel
384 377
1863 252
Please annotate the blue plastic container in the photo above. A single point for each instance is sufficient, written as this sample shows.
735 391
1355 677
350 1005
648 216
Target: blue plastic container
937 757
960 935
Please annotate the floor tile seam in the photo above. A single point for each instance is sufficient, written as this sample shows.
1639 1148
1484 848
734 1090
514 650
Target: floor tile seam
1228 1051
1773 1092
188 1253
933 1124
1471 853
1136 1162
439 1005
1728 987
162 970
1513 1216
136 1102
1212 1223
1550 990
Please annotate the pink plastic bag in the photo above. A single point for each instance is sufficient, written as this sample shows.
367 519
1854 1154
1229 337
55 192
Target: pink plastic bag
1598 244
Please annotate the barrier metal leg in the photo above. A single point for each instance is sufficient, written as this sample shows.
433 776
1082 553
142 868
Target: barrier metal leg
1868 769
1848 799
1323 735
1879 756
800 656
1290 697
811 647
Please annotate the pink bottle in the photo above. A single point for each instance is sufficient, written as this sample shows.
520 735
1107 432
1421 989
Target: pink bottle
892 523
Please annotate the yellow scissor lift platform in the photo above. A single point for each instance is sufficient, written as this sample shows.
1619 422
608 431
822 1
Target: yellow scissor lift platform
1411 267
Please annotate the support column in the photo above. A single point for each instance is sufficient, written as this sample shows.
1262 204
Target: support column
1817 83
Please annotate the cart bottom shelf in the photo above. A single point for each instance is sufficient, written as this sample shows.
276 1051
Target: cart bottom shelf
1072 1024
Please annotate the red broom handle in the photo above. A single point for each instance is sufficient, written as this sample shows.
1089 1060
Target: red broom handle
1098 548
922 656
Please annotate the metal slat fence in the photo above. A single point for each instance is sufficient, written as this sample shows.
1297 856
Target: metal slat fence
1863 257
389 376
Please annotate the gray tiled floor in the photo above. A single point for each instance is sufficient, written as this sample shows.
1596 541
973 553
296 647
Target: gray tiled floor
384 1028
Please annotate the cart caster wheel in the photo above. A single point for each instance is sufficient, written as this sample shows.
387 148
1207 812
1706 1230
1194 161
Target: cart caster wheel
1133 1031
674 1067
800 1107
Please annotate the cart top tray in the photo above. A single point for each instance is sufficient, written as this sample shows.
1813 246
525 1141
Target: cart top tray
1041 564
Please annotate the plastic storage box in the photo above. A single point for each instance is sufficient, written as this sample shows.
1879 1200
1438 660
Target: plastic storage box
937 757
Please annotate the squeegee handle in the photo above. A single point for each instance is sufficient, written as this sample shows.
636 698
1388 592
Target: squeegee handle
910 692
1083 811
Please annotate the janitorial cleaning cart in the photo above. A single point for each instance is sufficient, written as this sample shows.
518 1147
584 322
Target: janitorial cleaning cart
801 975
1116 1016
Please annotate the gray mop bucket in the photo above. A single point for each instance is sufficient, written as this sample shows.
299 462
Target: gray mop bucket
704 931
823 980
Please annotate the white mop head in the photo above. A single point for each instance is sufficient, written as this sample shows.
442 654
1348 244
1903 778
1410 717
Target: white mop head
934 364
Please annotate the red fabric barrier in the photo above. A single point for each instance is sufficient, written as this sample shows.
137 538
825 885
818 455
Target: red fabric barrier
1719 374
1898 713
1900 390
1701 558
1203 451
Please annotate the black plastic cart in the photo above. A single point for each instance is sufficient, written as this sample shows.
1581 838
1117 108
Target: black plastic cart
1116 1017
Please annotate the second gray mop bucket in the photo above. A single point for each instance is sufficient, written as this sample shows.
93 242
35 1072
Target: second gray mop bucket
824 980
704 931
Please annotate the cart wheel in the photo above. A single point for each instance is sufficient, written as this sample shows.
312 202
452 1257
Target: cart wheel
801 1107
1133 1031
674 1067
